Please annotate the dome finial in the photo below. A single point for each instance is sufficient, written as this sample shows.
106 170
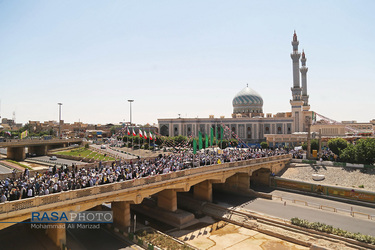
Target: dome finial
247 85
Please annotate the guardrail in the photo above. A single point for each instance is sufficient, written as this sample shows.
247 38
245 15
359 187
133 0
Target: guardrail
11 206
333 164
324 207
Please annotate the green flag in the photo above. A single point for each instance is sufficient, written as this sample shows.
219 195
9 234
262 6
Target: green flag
194 146
206 140
216 134
212 136
200 141
221 134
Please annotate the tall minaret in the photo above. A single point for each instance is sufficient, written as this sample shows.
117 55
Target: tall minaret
304 69
295 55
296 102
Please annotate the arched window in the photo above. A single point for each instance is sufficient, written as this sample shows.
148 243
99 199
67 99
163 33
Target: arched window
164 130
267 130
248 133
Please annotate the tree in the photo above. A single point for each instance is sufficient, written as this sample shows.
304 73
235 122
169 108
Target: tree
337 145
264 144
365 151
362 152
314 143
348 154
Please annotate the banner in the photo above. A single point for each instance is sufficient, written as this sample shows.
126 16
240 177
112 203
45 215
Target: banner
217 138
194 146
212 136
221 134
24 134
200 141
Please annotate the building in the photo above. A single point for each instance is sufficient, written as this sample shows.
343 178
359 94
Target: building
248 120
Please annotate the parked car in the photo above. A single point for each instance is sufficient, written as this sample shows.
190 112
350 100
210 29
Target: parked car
53 158
103 147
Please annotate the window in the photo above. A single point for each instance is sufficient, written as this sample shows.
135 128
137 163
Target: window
267 130
248 133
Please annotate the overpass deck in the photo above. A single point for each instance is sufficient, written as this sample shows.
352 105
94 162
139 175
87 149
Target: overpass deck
133 190
39 142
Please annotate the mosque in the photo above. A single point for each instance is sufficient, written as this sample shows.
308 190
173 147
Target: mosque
248 122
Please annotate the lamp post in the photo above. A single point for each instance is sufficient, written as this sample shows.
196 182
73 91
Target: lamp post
59 119
130 101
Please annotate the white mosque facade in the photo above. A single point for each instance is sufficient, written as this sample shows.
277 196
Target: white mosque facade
248 121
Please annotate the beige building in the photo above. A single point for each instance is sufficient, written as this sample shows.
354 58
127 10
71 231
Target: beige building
248 120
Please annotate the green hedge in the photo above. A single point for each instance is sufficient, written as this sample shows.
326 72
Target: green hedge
332 230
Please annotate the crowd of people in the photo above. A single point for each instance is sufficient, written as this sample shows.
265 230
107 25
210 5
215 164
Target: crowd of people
58 179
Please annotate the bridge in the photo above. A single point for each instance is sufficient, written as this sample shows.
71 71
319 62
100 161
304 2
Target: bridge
16 148
235 176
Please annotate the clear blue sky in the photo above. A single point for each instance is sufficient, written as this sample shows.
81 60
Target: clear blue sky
181 57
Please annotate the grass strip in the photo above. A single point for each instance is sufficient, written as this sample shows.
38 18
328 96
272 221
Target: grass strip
161 241
85 153
19 164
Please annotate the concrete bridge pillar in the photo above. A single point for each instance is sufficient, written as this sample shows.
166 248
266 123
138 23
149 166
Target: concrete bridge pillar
203 191
16 153
240 181
57 234
121 213
167 199
38 150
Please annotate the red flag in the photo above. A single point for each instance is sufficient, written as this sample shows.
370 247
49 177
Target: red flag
140 133
128 131
145 135
151 136
134 134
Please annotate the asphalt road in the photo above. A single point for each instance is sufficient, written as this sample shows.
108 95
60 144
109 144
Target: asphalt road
59 160
276 208
5 170
102 238
3 151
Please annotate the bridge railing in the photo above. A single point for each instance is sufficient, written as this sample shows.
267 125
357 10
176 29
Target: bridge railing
12 206
31 142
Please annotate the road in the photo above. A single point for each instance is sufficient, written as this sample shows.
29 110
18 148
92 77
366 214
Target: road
3 151
59 160
276 208
110 151
4 170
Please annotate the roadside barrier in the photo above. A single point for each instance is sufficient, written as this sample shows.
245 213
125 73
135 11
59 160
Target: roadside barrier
324 207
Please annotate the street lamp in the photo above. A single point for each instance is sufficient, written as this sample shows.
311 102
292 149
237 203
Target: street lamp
130 101
59 118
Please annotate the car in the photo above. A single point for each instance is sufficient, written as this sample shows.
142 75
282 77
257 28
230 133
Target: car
103 147
53 158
